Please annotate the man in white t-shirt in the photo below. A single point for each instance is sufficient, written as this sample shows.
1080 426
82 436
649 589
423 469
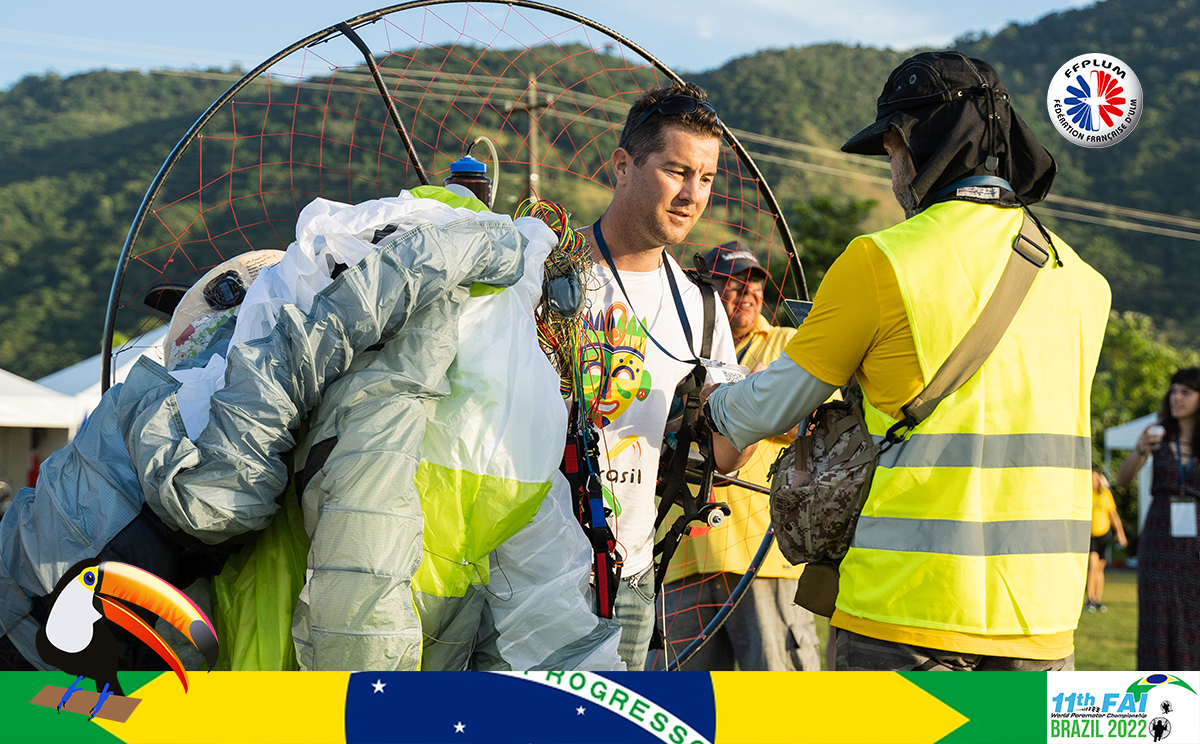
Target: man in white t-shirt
664 169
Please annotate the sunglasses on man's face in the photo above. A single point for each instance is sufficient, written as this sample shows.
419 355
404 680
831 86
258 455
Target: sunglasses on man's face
674 106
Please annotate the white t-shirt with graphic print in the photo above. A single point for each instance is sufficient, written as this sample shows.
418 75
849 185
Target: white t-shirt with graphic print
633 385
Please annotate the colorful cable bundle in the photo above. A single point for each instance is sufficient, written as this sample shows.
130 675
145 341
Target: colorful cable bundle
563 292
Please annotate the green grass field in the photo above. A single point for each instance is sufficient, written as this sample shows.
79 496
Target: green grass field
1103 642
1108 642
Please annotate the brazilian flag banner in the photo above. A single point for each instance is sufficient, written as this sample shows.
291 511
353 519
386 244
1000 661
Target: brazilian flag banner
604 708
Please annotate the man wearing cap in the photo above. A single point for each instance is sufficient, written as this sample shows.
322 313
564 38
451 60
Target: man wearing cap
973 540
644 325
767 631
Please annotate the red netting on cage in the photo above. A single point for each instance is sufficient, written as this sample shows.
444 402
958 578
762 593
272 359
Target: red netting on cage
549 89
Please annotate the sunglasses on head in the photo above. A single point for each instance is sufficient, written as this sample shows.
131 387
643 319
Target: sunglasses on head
673 106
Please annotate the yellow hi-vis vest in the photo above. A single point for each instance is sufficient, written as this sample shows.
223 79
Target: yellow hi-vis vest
980 521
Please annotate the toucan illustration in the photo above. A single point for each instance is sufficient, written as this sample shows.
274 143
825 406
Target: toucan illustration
75 641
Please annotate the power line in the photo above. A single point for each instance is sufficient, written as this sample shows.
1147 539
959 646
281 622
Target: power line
41 40
812 149
1121 224
817 168
1075 216
1168 219
476 86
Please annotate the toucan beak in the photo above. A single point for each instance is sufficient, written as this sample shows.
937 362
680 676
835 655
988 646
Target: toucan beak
144 589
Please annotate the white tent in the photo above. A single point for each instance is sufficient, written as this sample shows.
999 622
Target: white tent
1124 438
43 416
33 419
82 381
28 405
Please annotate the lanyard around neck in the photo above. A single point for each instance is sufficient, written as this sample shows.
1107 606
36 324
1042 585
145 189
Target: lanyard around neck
1183 472
598 234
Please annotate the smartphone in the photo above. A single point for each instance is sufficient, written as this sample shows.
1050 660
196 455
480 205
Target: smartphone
1156 430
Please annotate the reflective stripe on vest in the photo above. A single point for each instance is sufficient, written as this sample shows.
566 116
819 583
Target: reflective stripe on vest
952 537
989 451
980 521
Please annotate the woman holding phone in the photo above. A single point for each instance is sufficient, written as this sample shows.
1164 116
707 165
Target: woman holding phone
1169 549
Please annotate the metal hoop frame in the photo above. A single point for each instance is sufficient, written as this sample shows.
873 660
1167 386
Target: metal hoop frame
341 28
735 596
114 298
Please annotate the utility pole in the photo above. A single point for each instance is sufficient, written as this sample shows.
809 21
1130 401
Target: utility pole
532 106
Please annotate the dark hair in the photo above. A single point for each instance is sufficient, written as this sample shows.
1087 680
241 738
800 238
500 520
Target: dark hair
1189 376
647 139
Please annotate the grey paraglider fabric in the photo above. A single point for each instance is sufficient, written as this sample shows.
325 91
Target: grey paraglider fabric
224 482
47 530
372 365
134 450
473 533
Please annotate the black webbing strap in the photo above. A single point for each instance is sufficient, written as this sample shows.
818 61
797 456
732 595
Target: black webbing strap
581 466
672 487
673 483
703 279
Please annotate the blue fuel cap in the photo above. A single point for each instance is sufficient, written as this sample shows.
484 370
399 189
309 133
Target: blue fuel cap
467 164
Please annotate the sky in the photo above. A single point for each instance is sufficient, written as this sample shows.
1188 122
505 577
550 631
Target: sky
72 36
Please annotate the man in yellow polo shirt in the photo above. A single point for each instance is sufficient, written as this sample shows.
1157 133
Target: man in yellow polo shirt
767 631
973 541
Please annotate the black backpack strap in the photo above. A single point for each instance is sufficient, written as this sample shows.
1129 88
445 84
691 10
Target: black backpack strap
673 486
702 278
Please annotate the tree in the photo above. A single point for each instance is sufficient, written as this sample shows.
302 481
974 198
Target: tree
823 228
1132 377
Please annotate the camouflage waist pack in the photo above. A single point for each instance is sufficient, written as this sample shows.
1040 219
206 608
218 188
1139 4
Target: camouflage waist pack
820 483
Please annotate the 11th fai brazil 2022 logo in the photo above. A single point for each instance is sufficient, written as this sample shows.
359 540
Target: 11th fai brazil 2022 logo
1118 706
1095 100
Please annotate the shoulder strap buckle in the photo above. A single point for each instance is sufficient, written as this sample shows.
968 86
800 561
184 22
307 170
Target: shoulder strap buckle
1030 251
899 430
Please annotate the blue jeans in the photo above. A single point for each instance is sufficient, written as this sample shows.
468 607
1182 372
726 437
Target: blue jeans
634 611
861 653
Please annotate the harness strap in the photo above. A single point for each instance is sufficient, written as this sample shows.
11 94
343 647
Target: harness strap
581 466
703 279
673 484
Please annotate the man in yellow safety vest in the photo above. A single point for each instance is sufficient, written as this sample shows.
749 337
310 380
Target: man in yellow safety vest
973 542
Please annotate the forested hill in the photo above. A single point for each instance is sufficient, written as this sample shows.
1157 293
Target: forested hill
824 94
77 154
1158 167
76 157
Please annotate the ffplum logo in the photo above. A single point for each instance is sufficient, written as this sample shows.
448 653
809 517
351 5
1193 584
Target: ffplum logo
1095 100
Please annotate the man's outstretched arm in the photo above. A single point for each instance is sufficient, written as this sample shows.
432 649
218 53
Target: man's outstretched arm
728 458
763 405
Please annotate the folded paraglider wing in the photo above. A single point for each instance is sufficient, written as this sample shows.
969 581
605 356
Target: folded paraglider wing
466 442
